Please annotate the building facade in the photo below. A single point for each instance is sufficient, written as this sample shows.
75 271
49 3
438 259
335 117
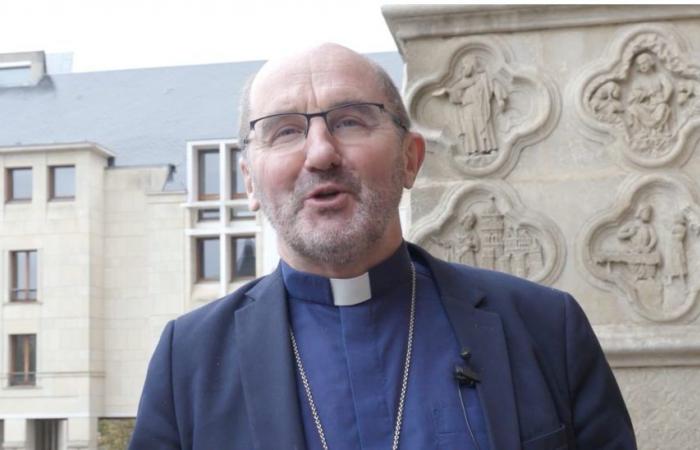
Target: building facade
122 207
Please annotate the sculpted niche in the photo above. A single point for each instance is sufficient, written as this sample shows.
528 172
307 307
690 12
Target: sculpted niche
646 247
482 224
484 108
644 94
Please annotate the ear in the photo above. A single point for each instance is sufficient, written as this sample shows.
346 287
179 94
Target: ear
253 202
414 153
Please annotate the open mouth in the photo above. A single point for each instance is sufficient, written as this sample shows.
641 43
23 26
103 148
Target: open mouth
326 194
329 196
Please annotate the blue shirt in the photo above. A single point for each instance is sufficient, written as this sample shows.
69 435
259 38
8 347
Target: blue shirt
354 357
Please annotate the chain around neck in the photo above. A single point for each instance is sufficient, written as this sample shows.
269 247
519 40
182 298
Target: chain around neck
404 378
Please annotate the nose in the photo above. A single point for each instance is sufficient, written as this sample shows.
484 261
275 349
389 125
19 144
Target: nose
321 149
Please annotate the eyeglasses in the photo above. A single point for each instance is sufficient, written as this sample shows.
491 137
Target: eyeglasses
348 124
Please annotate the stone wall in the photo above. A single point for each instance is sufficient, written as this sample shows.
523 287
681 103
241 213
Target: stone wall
562 148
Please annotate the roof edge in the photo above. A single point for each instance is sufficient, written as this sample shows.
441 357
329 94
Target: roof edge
83 146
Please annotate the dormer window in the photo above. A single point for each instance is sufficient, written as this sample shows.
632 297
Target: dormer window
21 69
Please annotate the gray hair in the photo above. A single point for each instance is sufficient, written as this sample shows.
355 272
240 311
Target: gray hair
394 102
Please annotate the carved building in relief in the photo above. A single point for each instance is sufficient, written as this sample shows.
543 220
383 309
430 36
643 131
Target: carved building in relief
484 225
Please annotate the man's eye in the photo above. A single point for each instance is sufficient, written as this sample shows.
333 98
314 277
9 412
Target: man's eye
349 122
286 134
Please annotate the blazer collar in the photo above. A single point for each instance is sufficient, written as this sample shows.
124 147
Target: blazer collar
267 367
482 333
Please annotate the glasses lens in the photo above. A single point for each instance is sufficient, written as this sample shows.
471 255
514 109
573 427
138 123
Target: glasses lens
354 121
281 131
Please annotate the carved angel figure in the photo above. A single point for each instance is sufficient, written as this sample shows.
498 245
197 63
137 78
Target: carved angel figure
606 102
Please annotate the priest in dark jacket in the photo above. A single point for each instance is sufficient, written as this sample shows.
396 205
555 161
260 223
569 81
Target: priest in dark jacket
359 340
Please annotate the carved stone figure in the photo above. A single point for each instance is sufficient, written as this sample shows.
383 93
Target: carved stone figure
641 255
645 96
482 108
606 102
648 104
469 238
653 258
676 260
473 92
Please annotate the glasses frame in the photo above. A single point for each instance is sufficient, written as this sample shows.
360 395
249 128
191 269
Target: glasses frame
324 114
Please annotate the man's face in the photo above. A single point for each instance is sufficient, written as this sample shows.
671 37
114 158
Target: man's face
330 203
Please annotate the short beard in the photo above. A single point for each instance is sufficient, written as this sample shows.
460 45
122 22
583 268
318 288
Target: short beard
337 246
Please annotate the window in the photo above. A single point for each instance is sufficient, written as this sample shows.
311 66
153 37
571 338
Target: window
208 259
23 267
207 215
22 360
241 213
208 165
47 434
243 254
18 73
19 184
237 181
62 182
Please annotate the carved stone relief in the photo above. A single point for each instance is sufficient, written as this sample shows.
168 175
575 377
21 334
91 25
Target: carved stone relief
484 108
647 247
645 94
483 224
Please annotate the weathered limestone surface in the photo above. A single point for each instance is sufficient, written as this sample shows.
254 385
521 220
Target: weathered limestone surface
562 148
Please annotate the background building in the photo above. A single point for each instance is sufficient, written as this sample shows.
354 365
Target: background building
122 208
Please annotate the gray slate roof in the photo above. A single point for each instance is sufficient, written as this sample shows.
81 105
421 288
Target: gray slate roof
143 116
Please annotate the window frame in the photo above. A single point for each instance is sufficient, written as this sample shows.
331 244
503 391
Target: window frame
14 288
199 259
28 376
232 253
52 182
201 195
9 189
236 172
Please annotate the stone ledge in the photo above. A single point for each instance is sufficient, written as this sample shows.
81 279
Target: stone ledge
657 346
408 22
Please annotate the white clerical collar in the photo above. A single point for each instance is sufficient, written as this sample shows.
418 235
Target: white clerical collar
351 291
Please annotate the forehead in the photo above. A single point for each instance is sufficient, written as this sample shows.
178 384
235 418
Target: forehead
314 81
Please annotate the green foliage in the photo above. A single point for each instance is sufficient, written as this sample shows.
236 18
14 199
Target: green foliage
114 434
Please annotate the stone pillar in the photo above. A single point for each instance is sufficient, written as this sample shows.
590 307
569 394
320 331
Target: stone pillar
562 147
16 433
82 433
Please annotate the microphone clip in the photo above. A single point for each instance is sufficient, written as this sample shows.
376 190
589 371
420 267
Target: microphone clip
465 375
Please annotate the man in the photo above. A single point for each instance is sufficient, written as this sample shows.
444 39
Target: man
359 340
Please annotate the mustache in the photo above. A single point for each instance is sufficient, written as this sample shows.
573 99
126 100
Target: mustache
311 180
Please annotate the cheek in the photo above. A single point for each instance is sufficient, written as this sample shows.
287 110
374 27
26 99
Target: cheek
377 167
277 173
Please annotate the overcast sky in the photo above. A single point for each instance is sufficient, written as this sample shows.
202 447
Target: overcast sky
120 34
111 34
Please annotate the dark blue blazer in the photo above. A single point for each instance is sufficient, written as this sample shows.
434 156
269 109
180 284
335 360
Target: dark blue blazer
222 376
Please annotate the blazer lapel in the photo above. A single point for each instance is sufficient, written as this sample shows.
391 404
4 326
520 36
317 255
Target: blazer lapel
267 368
482 333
